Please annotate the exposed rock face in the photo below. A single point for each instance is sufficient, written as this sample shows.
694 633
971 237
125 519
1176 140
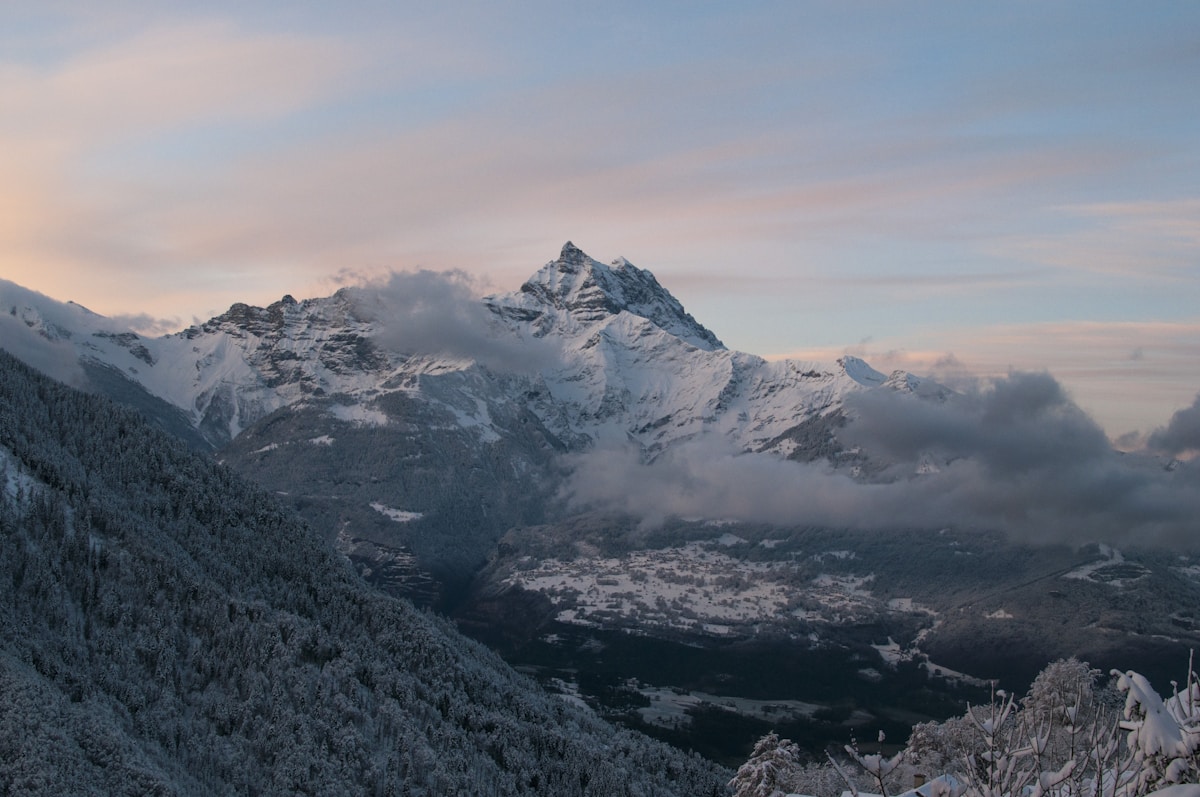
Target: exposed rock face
575 291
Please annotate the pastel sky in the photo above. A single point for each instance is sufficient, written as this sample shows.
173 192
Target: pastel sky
939 186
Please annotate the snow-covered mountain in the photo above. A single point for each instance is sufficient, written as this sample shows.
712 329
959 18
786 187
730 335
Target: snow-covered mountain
617 358
448 446
634 365
415 424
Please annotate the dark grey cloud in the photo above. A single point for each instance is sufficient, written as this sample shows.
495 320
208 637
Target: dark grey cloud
1023 457
1181 434
1020 423
708 477
439 313
1018 456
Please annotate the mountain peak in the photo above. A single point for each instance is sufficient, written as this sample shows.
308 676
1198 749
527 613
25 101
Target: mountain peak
589 291
572 255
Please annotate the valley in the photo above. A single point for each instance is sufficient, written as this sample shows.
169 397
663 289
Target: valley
702 625
698 543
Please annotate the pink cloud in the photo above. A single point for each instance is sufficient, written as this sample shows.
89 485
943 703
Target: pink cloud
1150 239
67 222
166 77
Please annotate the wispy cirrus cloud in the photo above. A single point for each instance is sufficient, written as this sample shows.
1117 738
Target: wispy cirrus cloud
1146 240
88 142
167 77
636 158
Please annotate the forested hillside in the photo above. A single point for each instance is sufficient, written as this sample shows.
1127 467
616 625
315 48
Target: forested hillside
166 628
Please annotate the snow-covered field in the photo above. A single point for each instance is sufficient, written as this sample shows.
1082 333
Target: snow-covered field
397 515
699 589
359 414
669 708
1112 569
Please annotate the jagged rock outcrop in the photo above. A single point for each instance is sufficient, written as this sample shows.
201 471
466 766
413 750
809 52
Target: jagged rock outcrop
575 291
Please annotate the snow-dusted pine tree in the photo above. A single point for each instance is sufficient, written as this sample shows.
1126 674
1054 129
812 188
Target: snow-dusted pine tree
770 770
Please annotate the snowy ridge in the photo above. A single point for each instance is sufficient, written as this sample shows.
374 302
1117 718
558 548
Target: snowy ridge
630 364
635 366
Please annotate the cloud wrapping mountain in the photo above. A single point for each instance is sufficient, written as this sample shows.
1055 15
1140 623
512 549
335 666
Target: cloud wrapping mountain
1019 457
1022 456
53 358
439 313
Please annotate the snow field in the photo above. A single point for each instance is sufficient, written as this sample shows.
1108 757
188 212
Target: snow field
397 515
697 589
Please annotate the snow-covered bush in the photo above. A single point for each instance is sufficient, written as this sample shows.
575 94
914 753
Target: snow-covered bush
937 746
1060 740
1163 736
881 771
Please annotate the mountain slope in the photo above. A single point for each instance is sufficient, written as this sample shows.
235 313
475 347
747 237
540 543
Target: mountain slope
166 628
444 410
620 356
633 365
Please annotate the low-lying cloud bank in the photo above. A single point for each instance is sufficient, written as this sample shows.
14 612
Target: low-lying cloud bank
440 313
1018 456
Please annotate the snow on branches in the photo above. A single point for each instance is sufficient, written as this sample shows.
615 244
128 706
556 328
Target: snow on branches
1061 740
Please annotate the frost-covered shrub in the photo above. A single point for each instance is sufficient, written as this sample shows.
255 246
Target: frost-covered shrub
1163 736
1060 740
937 746
881 772
1065 685
775 769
